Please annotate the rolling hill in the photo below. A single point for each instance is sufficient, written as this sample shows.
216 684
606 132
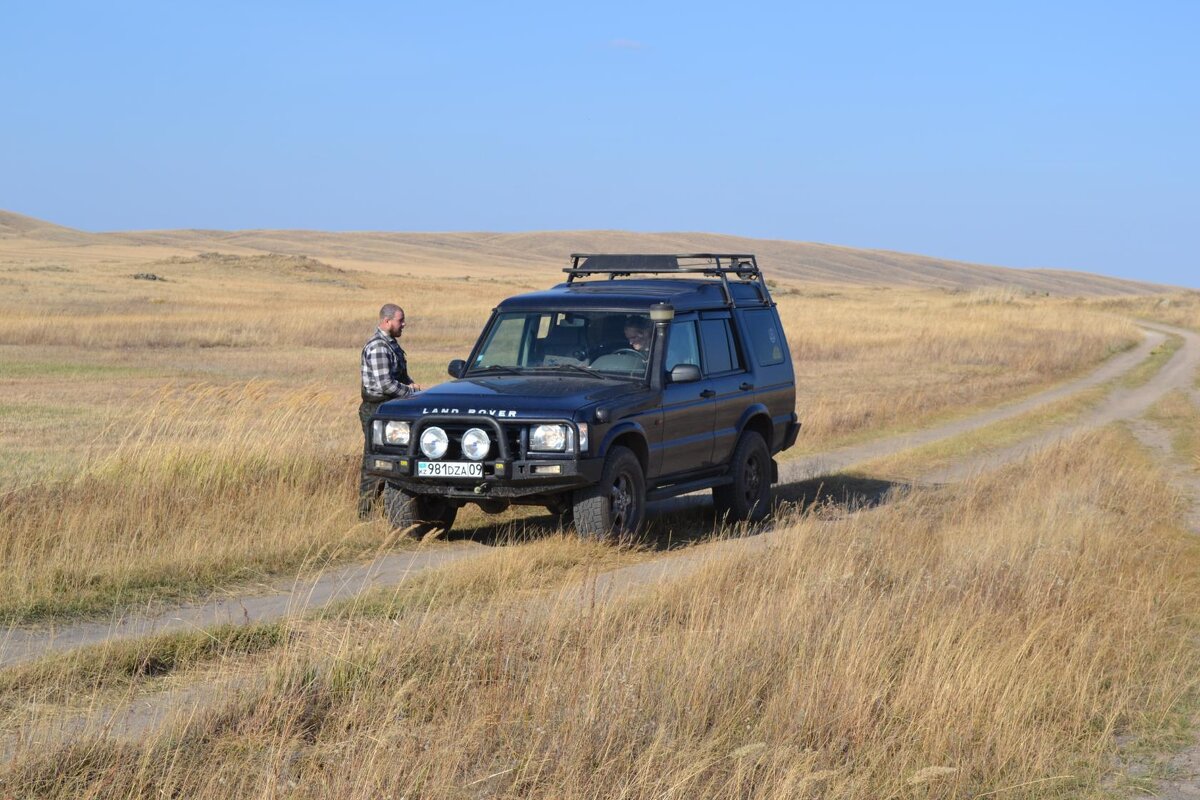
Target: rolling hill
544 252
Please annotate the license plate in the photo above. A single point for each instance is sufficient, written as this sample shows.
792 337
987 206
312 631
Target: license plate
449 469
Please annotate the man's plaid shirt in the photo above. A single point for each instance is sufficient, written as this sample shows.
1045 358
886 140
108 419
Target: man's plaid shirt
384 368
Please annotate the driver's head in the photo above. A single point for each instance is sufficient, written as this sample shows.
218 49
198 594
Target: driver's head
637 331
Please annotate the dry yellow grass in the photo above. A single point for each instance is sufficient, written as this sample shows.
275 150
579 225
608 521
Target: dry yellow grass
1174 308
867 360
185 503
991 637
878 360
160 439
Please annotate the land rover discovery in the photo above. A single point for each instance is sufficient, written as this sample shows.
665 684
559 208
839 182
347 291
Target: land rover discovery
641 377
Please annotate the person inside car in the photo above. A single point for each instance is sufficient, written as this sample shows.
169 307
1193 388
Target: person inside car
637 333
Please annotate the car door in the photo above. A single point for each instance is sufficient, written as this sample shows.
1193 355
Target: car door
726 375
687 407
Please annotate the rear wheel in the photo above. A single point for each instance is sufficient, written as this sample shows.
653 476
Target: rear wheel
749 496
419 514
616 506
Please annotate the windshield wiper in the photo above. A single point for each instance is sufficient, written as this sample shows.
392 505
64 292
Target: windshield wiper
580 368
595 373
494 368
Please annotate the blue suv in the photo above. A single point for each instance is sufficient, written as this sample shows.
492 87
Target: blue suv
640 378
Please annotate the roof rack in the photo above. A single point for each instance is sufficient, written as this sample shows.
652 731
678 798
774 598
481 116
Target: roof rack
717 265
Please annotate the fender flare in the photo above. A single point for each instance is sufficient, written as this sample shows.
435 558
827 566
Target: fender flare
621 429
757 410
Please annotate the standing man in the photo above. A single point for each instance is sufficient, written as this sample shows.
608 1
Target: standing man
384 377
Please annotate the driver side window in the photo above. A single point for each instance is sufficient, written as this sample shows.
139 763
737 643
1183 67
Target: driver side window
683 347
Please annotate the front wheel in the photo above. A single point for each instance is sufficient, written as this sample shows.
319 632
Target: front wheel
562 508
749 496
419 514
616 506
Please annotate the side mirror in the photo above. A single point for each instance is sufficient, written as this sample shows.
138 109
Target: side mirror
685 373
456 368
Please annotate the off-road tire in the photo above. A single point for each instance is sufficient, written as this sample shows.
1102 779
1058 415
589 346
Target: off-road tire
748 498
616 506
417 514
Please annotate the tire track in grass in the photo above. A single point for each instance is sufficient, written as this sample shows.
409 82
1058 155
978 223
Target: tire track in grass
282 600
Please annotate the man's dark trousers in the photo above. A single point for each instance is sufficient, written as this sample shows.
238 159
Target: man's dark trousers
369 486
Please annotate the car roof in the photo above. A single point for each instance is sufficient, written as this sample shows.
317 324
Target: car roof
635 295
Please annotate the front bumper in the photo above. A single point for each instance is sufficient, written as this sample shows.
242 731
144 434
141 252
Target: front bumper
506 479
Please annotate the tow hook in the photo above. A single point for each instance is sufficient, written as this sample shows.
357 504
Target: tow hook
481 489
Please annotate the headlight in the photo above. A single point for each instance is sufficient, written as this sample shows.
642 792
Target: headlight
548 437
434 442
476 444
396 433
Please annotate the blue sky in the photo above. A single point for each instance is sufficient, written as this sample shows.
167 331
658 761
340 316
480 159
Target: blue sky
1021 134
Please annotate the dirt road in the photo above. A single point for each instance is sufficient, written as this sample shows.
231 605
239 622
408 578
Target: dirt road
131 720
282 599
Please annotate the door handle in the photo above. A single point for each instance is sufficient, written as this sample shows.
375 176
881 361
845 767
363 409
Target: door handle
708 393
746 386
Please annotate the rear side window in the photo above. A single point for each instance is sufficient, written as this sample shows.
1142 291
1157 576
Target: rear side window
682 348
765 339
720 355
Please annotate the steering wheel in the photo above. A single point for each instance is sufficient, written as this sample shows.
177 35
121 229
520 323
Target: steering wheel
629 351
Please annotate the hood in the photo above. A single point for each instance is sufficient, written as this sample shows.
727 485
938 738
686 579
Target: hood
513 396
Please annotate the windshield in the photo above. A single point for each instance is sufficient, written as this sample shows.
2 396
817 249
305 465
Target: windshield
601 343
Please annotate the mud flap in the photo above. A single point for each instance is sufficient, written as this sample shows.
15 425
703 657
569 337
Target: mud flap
774 471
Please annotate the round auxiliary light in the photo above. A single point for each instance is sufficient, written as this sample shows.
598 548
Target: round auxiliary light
662 312
434 442
476 444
